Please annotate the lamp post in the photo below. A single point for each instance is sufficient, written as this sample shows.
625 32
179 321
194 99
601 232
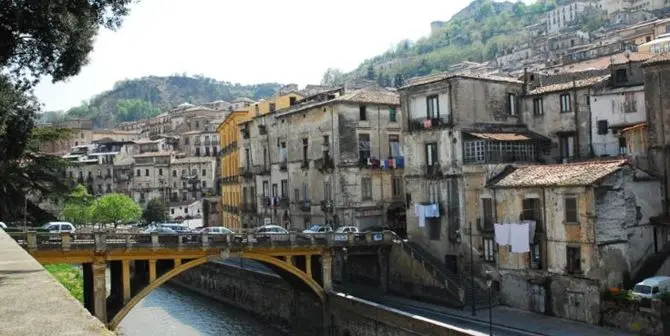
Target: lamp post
489 283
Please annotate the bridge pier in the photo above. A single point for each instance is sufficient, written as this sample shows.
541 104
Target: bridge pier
99 268
115 301
383 257
327 284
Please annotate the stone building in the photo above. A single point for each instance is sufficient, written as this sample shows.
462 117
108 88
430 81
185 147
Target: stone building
590 232
201 139
330 158
81 134
456 129
564 16
93 165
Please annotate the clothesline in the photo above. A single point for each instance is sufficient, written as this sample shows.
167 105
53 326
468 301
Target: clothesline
516 235
423 211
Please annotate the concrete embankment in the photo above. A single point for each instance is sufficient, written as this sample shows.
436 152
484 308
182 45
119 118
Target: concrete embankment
33 303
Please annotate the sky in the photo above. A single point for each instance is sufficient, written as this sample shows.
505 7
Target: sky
245 41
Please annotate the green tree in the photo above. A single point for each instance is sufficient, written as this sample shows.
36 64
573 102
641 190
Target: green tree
115 208
370 73
77 208
135 109
156 211
333 76
39 38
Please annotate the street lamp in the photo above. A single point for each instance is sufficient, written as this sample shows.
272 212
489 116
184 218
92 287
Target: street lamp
489 283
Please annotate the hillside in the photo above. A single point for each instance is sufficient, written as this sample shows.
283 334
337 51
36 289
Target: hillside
476 33
145 97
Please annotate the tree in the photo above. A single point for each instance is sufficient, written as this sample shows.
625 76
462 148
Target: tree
77 208
115 208
156 211
370 73
333 76
39 38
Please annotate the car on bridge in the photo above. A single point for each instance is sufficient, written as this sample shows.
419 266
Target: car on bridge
215 230
270 232
317 228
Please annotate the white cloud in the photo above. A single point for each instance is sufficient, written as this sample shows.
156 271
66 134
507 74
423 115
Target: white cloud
290 41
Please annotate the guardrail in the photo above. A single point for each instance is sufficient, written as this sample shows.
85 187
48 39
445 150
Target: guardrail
104 241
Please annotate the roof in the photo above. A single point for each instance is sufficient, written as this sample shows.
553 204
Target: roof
198 108
146 141
243 100
115 131
658 59
619 90
201 159
582 83
151 154
634 127
369 95
446 75
600 63
558 175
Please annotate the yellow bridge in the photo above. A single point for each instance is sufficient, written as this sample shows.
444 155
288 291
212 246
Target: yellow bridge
139 263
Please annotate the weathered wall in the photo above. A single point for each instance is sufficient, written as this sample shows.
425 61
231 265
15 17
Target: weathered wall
630 317
354 317
269 297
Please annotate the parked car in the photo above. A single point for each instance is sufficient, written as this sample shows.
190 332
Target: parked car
652 288
316 228
179 228
160 230
269 232
347 229
58 227
216 230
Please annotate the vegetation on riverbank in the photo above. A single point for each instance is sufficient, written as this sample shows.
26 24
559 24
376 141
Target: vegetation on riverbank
70 277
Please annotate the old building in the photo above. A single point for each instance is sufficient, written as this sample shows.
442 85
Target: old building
92 165
334 158
81 133
229 136
455 126
562 17
566 232
616 107
201 138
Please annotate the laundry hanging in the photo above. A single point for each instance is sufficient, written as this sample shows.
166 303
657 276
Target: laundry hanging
519 238
432 210
502 233
420 212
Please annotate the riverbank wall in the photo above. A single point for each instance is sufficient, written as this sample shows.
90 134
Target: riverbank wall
266 295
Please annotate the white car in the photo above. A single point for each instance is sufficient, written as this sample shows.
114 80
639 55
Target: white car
58 227
216 230
318 229
652 287
347 229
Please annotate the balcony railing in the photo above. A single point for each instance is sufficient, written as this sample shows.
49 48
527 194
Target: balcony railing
284 202
248 207
421 124
433 170
246 172
304 164
327 206
305 206
283 165
324 164
261 169
208 142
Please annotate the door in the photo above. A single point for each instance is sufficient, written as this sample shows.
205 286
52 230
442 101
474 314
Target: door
537 298
576 306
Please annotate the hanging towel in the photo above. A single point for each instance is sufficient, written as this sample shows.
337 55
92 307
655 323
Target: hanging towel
531 230
417 209
519 238
502 234
432 210
422 216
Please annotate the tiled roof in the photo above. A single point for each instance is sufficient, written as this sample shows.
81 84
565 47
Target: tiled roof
201 159
372 96
600 63
568 85
557 175
657 59
445 75
152 154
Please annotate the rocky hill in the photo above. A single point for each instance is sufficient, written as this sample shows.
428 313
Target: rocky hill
145 97
476 33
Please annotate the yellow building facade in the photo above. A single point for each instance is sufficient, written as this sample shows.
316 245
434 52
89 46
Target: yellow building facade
229 134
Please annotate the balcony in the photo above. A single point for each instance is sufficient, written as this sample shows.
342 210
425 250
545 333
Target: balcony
433 171
421 124
245 132
246 172
248 207
283 165
261 170
369 162
305 206
262 129
304 164
324 164
284 202
327 206
207 142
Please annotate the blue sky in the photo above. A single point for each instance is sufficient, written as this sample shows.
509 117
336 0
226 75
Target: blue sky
245 41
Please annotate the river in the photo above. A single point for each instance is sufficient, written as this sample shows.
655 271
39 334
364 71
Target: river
171 310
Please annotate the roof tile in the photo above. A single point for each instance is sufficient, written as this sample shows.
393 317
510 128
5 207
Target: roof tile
557 175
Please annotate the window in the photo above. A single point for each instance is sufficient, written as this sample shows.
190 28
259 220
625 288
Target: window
275 190
620 76
630 103
538 107
326 143
247 158
565 103
326 191
204 172
396 186
266 189
272 107
204 184
291 100
511 104
393 114
571 210
362 112
197 151
284 188
194 172
366 188
566 146
305 149
602 127
431 154
206 151
574 259
186 140
172 211
432 107
588 100
487 213
146 172
139 173
174 173
434 193
364 147
434 227
531 211
394 146
256 108
489 249
160 172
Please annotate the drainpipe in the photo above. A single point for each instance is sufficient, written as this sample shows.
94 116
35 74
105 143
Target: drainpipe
575 103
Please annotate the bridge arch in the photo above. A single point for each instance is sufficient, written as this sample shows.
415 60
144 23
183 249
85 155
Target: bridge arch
266 259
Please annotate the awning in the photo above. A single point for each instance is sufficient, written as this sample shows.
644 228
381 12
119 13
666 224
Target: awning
501 136
634 127
623 126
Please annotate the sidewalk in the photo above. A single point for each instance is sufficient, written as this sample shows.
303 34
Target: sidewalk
505 316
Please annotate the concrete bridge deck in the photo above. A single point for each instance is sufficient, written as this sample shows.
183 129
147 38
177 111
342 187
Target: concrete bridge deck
33 303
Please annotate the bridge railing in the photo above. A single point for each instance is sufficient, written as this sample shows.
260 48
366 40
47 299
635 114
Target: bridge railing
102 241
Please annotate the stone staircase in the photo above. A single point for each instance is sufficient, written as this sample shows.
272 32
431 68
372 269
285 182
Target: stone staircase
473 292
652 264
